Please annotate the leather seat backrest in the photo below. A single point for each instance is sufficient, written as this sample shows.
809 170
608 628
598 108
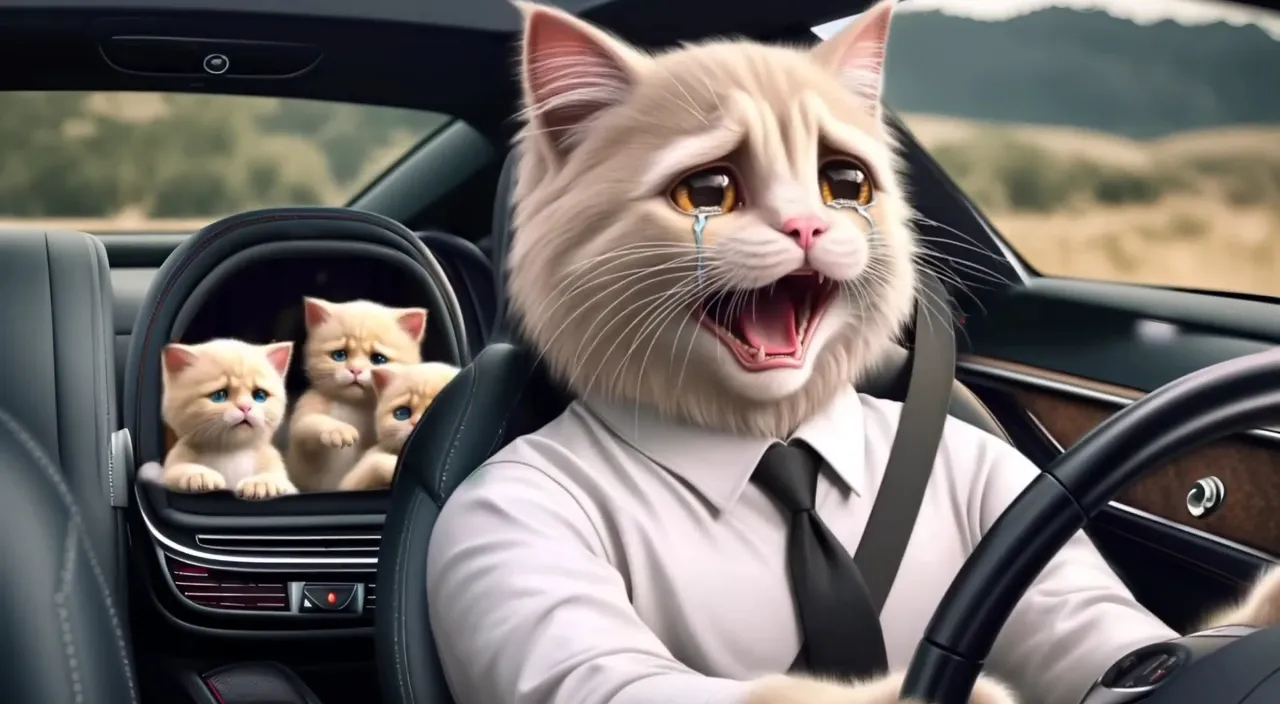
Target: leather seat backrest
55 310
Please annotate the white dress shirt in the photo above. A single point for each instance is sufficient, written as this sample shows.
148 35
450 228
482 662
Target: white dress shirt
616 558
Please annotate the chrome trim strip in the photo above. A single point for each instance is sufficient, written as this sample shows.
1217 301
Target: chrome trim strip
1139 513
181 550
213 536
1059 387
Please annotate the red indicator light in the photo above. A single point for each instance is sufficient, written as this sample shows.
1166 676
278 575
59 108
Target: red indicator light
332 598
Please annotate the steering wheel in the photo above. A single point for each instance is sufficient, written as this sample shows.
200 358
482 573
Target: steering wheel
1234 665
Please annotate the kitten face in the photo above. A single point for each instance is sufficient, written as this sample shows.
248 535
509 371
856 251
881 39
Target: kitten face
803 275
346 341
404 393
225 392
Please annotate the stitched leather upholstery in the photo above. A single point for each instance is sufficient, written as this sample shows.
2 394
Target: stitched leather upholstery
61 638
258 683
501 396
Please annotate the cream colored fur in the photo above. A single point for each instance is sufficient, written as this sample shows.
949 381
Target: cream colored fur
601 267
332 424
225 442
798 690
411 387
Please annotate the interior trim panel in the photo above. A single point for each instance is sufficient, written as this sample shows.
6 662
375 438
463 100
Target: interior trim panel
1247 465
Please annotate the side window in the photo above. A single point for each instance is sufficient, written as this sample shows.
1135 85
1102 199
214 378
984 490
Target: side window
1138 142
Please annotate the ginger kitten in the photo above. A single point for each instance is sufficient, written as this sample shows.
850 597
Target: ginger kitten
404 392
718 232
332 424
224 400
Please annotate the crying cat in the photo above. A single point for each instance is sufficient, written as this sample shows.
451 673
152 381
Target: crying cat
404 392
224 400
333 422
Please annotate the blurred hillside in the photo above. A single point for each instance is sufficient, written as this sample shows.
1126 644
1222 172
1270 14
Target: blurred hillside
144 155
1085 69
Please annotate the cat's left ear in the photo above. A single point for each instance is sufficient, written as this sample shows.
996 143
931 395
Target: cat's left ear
279 354
571 71
413 321
856 54
176 357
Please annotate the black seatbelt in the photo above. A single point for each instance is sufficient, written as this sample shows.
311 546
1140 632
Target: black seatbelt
931 373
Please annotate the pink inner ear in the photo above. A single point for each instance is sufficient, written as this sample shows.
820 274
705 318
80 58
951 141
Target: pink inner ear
381 378
278 355
316 311
860 52
570 75
176 358
414 323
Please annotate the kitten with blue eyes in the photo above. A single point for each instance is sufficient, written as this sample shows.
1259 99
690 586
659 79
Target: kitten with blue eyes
404 392
333 422
224 400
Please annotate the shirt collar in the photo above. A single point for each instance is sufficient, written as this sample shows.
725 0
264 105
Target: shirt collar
719 464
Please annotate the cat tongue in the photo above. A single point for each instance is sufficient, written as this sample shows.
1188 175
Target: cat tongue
769 324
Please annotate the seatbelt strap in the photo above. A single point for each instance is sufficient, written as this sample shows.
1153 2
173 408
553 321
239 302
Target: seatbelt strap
931 374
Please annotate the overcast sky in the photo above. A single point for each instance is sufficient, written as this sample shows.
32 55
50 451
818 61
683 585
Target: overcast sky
1188 12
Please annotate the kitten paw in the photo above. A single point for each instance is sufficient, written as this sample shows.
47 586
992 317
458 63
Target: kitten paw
265 486
200 481
340 435
1260 608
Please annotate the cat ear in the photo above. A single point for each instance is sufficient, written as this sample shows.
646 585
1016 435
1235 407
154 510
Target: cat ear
571 71
856 53
279 354
176 358
382 378
317 310
413 321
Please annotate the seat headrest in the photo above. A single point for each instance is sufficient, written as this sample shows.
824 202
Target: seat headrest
503 227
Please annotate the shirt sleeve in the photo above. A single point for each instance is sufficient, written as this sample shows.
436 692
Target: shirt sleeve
526 610
1077 619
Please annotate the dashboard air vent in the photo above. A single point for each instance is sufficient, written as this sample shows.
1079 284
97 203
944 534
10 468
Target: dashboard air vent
363 545
227 590
370 596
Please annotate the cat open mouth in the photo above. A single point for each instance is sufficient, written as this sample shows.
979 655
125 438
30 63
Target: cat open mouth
769 327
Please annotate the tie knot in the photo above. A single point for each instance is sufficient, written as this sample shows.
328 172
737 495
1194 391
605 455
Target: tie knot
789 474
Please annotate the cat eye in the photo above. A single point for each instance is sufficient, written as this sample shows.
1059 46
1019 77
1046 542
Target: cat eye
218 396
712 191
260 396
402 413
338 355
845 183
378 358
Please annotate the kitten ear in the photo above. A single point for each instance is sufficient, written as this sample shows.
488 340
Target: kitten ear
413 321
317 310
279 354
176 358
382 378
856 54
571 71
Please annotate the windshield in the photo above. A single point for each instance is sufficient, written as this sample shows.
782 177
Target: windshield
162 162
1134 141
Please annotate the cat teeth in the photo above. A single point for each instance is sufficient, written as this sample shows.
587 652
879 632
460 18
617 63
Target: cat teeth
759 354
822 278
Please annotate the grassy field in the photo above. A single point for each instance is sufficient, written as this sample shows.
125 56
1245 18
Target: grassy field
1194 210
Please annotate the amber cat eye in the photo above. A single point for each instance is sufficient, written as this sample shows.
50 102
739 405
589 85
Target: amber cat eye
712 191
845 183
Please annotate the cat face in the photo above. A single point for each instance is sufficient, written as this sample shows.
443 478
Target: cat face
404 393
225 392
718 231
346 341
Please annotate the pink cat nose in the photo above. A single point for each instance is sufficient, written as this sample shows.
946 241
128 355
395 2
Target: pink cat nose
245 407
355 370
805 229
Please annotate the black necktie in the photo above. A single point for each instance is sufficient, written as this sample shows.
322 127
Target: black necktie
838 622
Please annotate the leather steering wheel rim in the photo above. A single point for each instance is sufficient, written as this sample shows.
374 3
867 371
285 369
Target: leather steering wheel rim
1192 411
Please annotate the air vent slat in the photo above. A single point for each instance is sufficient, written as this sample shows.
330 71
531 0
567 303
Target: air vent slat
302 545
228 590
370 596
